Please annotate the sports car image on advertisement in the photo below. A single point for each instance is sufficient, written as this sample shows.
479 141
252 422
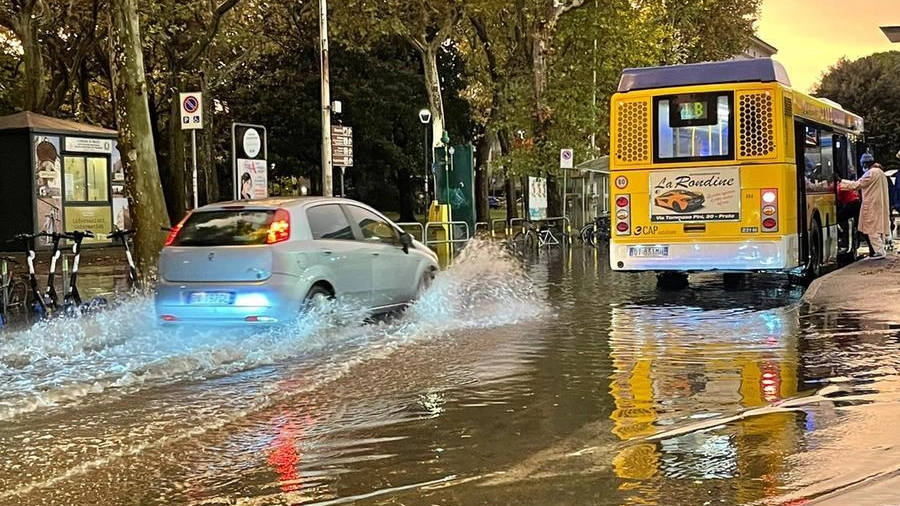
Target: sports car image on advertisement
680 201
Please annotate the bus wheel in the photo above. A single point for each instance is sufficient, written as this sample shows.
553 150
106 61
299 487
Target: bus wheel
734 280
671 280
814 263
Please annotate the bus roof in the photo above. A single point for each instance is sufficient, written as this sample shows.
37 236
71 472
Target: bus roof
735 71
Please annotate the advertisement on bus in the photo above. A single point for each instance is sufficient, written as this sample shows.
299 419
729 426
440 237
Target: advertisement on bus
694 195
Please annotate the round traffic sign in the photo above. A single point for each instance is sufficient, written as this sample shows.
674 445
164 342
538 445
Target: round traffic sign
252 142
567 154
191 104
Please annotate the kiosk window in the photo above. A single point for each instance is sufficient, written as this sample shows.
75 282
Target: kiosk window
86 179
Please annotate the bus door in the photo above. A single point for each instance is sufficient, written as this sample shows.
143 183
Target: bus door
801 163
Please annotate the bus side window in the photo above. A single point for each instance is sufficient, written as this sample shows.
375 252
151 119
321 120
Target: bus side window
840 155
826 170
851 161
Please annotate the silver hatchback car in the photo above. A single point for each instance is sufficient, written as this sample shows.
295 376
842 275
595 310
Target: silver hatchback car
264 261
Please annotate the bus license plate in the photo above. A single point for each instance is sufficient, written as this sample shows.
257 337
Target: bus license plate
648 251
211 298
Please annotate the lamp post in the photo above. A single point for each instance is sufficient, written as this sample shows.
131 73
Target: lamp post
425 118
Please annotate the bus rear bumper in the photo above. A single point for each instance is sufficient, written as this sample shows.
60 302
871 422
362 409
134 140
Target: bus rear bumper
780 254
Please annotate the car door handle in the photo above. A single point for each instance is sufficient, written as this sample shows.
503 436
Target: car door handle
326 253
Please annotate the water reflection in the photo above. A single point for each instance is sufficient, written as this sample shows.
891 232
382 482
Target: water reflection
673 365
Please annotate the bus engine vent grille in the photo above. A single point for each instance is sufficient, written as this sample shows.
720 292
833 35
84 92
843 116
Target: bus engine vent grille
757 132
631 139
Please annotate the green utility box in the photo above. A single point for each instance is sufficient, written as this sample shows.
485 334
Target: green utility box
455 184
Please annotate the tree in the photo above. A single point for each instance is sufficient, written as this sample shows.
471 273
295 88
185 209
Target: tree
868 87
145 196
427 26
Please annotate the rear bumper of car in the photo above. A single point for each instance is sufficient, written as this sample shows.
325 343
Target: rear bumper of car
273 301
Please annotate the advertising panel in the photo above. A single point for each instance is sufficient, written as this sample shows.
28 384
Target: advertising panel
695 195
47 185
537 198
97 219
253 179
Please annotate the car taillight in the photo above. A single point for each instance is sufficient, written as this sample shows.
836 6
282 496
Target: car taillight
623 215
280 228
174 232
769 209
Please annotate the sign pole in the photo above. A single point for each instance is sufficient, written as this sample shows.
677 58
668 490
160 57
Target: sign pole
342 180
194 157
327 189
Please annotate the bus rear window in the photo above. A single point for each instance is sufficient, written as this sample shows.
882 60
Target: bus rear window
695 126
225 228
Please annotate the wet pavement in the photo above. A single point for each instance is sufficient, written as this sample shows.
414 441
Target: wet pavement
555 381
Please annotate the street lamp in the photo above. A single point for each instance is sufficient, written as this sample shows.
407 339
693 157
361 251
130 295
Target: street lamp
425 117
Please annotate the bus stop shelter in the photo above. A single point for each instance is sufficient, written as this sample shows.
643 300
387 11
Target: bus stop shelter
587 191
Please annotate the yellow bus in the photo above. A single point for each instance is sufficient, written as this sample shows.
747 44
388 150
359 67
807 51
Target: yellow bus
723 167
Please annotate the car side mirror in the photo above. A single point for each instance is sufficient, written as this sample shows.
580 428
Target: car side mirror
406 240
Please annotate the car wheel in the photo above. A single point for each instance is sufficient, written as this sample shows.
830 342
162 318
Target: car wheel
317 297
677 207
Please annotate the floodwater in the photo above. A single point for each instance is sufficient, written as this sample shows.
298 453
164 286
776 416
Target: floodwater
548 382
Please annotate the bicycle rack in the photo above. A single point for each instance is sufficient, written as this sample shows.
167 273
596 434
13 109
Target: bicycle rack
482 224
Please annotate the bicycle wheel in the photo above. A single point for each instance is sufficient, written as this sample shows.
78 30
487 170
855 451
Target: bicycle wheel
530 240
587 235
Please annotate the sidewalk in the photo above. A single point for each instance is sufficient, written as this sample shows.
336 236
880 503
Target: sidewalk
865 285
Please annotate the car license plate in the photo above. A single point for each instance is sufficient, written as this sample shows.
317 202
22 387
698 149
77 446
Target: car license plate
648 251
211 298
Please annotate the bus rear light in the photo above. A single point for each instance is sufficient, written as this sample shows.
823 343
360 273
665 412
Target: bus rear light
623 215
769 209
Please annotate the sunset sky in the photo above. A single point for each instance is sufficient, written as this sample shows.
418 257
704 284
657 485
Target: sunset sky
812 35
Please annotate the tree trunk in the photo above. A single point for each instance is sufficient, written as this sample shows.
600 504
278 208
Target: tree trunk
482 154
36 89
207 159
433 89
145 198
543 114
512 210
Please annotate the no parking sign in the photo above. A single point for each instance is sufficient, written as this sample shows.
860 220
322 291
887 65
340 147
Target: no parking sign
191 111
566 158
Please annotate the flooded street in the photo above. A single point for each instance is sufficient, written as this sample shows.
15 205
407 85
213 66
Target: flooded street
554 382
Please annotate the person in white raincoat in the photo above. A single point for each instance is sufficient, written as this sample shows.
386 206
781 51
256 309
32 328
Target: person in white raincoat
874 220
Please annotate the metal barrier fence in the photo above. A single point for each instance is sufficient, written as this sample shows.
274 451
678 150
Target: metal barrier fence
432 224
410 224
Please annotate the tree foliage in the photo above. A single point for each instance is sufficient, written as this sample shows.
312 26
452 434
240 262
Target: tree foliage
529 75
868 87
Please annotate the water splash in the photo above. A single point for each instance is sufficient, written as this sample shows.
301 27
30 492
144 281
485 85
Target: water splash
120 351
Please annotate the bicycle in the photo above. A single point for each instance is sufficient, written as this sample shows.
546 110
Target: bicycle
595 231
122 236
12 290
538 236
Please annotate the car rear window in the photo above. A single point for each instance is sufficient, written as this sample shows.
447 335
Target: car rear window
225 228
